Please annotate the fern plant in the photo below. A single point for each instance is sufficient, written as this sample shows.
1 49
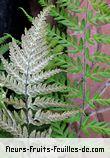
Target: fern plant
66 14
26 75
32 104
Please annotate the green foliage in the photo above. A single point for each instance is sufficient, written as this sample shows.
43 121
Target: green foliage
4 47
100 57
101 6
84 65
61 130
97 99
30 18
102 12
97 127
103 19
80 45
102 38
4 38
65 128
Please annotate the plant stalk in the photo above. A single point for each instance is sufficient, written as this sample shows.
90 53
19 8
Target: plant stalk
26 98
84 70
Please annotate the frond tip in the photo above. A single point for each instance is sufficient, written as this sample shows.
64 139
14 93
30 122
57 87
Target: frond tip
28 62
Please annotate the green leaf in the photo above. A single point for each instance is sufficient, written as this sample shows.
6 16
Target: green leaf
101 38
4 38
81 44
90 14
64 18
30 18
83 24
87 54
100 57
97 127
88 34
61 130
101 101
101 6
4 48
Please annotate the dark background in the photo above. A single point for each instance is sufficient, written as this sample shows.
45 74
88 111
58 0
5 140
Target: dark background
12 20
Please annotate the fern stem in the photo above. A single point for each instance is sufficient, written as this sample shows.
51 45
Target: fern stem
84 69
26 97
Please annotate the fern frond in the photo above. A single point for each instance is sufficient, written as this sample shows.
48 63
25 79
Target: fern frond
26 74
44 134
10 83
101 38
98 74
65 40
63 18
15 128
4 38
49 102
8 125
44 89
30 18
63 3
48 117
24 67
100 19
4 48
103 102
15 102
100 57
20 117
2 97
45 3
99 100
61 130
43 76
97 127
101 6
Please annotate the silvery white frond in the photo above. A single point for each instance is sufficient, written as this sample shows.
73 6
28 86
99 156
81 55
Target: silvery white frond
26 76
